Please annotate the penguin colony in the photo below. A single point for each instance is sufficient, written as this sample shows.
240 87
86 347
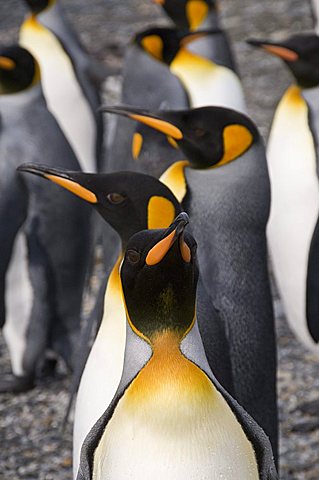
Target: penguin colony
180 381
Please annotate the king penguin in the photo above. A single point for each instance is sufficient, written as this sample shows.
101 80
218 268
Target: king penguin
70 79
170 418
44 237
129 202
223 185
293 229
196 15
205 81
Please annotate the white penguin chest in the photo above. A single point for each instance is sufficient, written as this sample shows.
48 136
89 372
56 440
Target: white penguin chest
63 93
295 204
174 426
208 83
103 368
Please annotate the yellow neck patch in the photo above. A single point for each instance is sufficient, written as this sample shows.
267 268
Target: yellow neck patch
196 12
137 144
153 44
73 187
237 139
160 212
174 179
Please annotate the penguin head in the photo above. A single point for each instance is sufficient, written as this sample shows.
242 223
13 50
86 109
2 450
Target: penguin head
163 44
300 53
159 275
128 201
18 70
188 14
38 6
208 136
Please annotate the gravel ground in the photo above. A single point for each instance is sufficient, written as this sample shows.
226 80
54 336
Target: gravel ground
32 445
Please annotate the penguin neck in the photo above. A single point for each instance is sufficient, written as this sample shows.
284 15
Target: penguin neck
169 370
211 22
174 178
190 68
24 98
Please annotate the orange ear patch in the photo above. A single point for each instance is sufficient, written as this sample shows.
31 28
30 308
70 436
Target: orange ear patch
153 44
137 144
196 12
160 212
237 139
73 187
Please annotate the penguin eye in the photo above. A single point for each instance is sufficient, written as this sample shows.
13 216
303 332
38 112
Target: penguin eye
115 198
133 256
199 132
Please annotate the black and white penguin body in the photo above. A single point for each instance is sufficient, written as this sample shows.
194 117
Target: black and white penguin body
129 202
224 186
197 15
293 167
69 77
205 81
170 418
147 82
45 235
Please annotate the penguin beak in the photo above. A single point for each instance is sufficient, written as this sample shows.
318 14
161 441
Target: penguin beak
6 63
280 50
61 177
174 232
155 121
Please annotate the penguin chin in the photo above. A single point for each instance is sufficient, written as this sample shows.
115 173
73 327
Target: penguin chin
37 6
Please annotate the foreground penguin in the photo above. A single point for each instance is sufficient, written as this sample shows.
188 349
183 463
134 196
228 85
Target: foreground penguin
170 418
70 78
129 202
205 81
224 186
196 15
44 237
293 229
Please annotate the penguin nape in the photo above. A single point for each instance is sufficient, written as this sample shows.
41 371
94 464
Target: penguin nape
206 82
45 241
170 418
129 202
292 152
71 78
224 187
196 15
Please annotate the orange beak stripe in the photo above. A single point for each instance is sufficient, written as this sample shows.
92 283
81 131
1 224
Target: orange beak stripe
185 250
73 187
282 52
160 125
158 252
6 63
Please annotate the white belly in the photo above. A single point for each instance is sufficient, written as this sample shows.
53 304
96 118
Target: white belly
62 91
102 371
173 434
294 206
18 301
207 83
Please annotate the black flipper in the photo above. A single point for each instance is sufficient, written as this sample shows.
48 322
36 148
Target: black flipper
312 294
